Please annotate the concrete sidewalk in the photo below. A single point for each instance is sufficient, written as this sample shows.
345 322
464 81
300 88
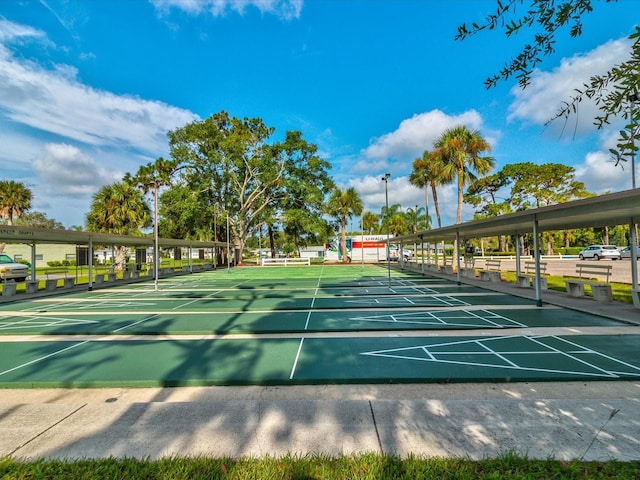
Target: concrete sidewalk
590 421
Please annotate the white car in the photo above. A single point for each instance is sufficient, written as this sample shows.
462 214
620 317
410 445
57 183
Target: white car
626 252
395 255
10 270
600 251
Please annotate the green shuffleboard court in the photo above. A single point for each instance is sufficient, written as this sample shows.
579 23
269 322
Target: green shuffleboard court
303 325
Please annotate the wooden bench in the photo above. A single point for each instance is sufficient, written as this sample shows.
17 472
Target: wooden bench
526 277
491 271
600 290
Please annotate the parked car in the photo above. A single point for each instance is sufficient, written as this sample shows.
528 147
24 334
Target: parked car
10 270
394 254
600 251
626 252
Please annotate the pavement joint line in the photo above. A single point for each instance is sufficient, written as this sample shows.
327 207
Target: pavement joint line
375 426
53 425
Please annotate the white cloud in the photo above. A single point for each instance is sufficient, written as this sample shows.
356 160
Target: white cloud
543 98
285 9
65 170
393 152
417 134
372 192
600 175
55 101
11 32
68 139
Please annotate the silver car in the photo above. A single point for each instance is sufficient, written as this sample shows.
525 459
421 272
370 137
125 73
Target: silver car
626 252
600 251
10 270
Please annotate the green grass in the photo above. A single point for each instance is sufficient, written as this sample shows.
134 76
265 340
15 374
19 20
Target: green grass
317 467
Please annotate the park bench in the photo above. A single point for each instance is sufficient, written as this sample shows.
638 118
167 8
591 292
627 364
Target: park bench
600 290
285 261
491 271
53 274
635 296
447 265
469 269
527 276
9 287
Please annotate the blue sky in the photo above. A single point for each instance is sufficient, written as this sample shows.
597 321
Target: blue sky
88 89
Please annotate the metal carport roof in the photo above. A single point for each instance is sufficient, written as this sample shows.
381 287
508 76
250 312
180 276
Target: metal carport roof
33 235
621 208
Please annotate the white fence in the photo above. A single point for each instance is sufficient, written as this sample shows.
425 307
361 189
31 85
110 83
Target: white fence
285 261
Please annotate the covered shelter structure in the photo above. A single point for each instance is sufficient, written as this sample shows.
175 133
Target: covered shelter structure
621 208
33 236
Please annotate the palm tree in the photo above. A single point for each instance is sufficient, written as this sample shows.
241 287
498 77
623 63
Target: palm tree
459 149
15 199
427 172
370 222
413 216
343 204
119 208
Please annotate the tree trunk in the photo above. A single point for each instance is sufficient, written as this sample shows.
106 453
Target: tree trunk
343 240
120 257
436 204
272 243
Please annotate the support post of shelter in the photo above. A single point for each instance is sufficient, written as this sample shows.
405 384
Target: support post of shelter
634 254
457 257
33 262
90 263
537 260
422 254
518 255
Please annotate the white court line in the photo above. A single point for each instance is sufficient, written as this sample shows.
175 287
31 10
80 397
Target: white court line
135 323
438 356
43 358
295 362
495 315
497 354
584 350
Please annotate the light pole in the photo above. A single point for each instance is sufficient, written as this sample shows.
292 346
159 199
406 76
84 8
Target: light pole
156 253
633 98
228 247
385 179
362 241
633 227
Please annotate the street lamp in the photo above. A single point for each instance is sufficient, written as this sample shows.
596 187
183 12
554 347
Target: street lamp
633 98
156 253
385 179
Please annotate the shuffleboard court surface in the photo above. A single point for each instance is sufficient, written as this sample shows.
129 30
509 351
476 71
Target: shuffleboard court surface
303 325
